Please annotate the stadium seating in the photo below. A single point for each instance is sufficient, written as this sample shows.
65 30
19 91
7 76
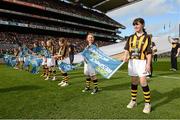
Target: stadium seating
71 8
12 39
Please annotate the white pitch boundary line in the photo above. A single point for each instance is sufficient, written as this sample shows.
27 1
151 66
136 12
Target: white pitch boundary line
178 78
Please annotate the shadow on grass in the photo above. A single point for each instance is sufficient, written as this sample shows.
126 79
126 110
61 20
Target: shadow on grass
166 97
123 86
19 88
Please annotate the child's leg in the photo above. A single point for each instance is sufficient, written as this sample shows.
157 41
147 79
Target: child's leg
88 84
49 71
44 70
65 81
95 81
134 87
54 73
147 96
146 90
95 84
17 65
22 63
65 77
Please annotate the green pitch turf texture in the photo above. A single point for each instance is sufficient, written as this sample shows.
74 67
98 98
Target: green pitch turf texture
23 95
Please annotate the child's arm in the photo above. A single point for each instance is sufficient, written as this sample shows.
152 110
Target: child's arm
178 52
126 52
126 55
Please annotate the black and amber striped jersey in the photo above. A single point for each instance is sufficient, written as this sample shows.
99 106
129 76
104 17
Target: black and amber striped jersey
63 51
138 47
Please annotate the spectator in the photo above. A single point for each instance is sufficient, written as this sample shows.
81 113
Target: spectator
174 50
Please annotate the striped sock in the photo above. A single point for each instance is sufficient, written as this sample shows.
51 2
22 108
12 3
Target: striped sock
95 83
44 70
49 73
88 82
134 92
54 72
146 93
65 77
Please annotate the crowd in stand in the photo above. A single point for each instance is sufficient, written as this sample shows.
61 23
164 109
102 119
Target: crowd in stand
10 40
43 25
73 8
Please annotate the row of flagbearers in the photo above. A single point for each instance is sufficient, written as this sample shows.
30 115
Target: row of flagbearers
24 57
138 53
44 55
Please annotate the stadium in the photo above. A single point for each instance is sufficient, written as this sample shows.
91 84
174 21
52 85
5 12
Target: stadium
26 95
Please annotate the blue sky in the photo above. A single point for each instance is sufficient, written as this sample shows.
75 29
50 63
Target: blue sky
156 13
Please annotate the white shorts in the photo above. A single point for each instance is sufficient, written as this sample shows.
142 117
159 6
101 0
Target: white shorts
88 70
21 59
24 59
50 62
137 68
44 61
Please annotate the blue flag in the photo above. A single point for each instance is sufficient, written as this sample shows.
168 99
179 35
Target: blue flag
67 67
6 58
27 61
10 60
36 63
103 64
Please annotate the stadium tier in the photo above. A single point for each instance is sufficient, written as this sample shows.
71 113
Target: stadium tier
57 18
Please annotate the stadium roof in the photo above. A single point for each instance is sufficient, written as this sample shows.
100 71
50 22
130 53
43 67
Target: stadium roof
105 5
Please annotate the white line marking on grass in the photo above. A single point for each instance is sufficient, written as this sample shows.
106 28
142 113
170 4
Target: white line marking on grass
178 78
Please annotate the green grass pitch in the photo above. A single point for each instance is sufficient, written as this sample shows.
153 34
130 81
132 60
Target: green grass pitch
23 95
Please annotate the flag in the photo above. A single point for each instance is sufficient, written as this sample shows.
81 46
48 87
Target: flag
67 67
26 61
103 64
10 60
36 63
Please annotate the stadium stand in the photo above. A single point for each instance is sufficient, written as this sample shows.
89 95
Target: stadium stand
10 40
73 8
29 21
